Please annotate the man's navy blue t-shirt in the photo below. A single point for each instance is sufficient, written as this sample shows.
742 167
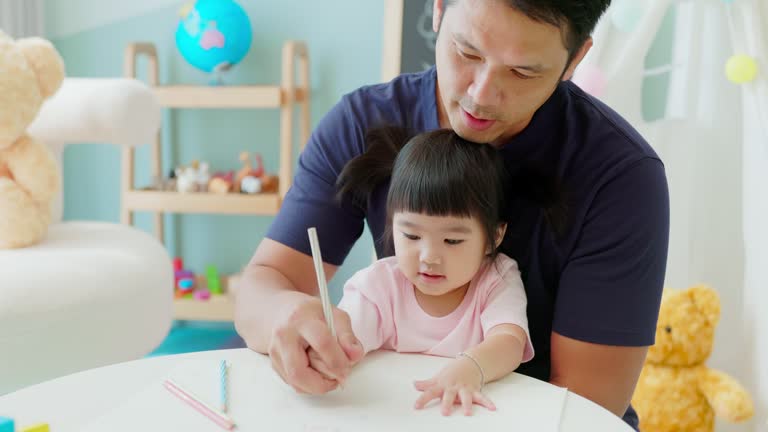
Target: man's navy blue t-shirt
599 280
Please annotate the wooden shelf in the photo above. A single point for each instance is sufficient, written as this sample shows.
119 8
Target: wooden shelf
197 202
188 96
291 96
217 308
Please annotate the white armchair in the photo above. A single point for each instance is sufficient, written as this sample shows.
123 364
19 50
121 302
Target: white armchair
90 293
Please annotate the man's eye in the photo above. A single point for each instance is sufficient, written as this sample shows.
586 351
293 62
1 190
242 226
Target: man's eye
453 241
468 56
521 75
410 236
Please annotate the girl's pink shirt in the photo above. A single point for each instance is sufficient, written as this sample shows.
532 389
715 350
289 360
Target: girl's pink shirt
385 314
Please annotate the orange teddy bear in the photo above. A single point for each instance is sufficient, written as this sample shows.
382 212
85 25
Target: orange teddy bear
30 71
677 392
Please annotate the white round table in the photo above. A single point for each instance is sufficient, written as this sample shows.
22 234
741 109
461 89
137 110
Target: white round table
378 396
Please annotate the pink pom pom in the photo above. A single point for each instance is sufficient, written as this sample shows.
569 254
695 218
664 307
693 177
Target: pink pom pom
591 79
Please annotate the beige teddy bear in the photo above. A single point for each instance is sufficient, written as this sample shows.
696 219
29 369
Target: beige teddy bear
30 71
677 391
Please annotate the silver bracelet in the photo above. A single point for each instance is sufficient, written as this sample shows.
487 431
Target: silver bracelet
479 368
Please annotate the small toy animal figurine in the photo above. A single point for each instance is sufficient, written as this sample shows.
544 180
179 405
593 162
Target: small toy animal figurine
221 182
247 170
185 179
250 185
269 184
202 176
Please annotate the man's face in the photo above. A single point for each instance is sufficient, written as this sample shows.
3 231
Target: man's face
495 67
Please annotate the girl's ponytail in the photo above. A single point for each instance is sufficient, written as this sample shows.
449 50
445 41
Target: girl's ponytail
535 185
364 173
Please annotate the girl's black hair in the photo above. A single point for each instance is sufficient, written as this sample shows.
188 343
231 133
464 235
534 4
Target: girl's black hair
440 173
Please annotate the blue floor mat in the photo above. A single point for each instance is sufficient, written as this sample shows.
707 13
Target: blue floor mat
190 336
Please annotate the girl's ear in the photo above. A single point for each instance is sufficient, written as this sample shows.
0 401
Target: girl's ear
500 231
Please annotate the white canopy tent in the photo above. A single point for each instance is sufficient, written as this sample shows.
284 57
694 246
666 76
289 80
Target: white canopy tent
22 18
714 142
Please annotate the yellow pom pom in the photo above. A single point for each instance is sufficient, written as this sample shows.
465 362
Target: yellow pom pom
741 69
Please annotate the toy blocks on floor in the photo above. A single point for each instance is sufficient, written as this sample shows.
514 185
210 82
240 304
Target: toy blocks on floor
6 424
40 427
212 276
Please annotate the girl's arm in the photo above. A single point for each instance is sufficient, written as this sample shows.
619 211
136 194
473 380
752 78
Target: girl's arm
462 379
499 354
504 347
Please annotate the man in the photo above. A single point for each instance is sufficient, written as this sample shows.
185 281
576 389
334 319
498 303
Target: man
593 281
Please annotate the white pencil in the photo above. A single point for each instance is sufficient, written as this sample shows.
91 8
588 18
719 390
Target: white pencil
322 284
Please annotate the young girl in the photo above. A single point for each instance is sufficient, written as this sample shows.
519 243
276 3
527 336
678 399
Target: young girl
447 291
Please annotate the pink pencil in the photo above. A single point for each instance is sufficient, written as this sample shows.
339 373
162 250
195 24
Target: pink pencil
215 415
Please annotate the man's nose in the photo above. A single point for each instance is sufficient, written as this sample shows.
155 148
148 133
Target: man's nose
484 90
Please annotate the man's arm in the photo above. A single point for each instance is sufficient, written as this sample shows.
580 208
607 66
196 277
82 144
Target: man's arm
609 292
276 312
603 374
276 277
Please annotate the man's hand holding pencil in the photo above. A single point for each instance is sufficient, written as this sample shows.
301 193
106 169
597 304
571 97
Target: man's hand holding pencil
328 348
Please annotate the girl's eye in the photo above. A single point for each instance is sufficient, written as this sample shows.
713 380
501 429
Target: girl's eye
453 242
410 236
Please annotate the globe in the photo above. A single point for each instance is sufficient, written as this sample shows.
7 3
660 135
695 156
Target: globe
213 35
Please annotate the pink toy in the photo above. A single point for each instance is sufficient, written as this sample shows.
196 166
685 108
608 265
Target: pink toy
183 274
202 294
258 172
591 79
225 175
221 182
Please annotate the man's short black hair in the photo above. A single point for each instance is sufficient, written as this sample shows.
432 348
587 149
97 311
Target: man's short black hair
576 18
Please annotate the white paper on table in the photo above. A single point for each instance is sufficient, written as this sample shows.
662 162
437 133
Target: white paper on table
378 396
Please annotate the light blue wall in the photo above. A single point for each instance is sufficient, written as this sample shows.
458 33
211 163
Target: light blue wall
344 39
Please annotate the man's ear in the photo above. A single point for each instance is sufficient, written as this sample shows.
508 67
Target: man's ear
577 59
438 9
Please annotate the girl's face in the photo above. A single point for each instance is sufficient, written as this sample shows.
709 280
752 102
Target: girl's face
438 254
